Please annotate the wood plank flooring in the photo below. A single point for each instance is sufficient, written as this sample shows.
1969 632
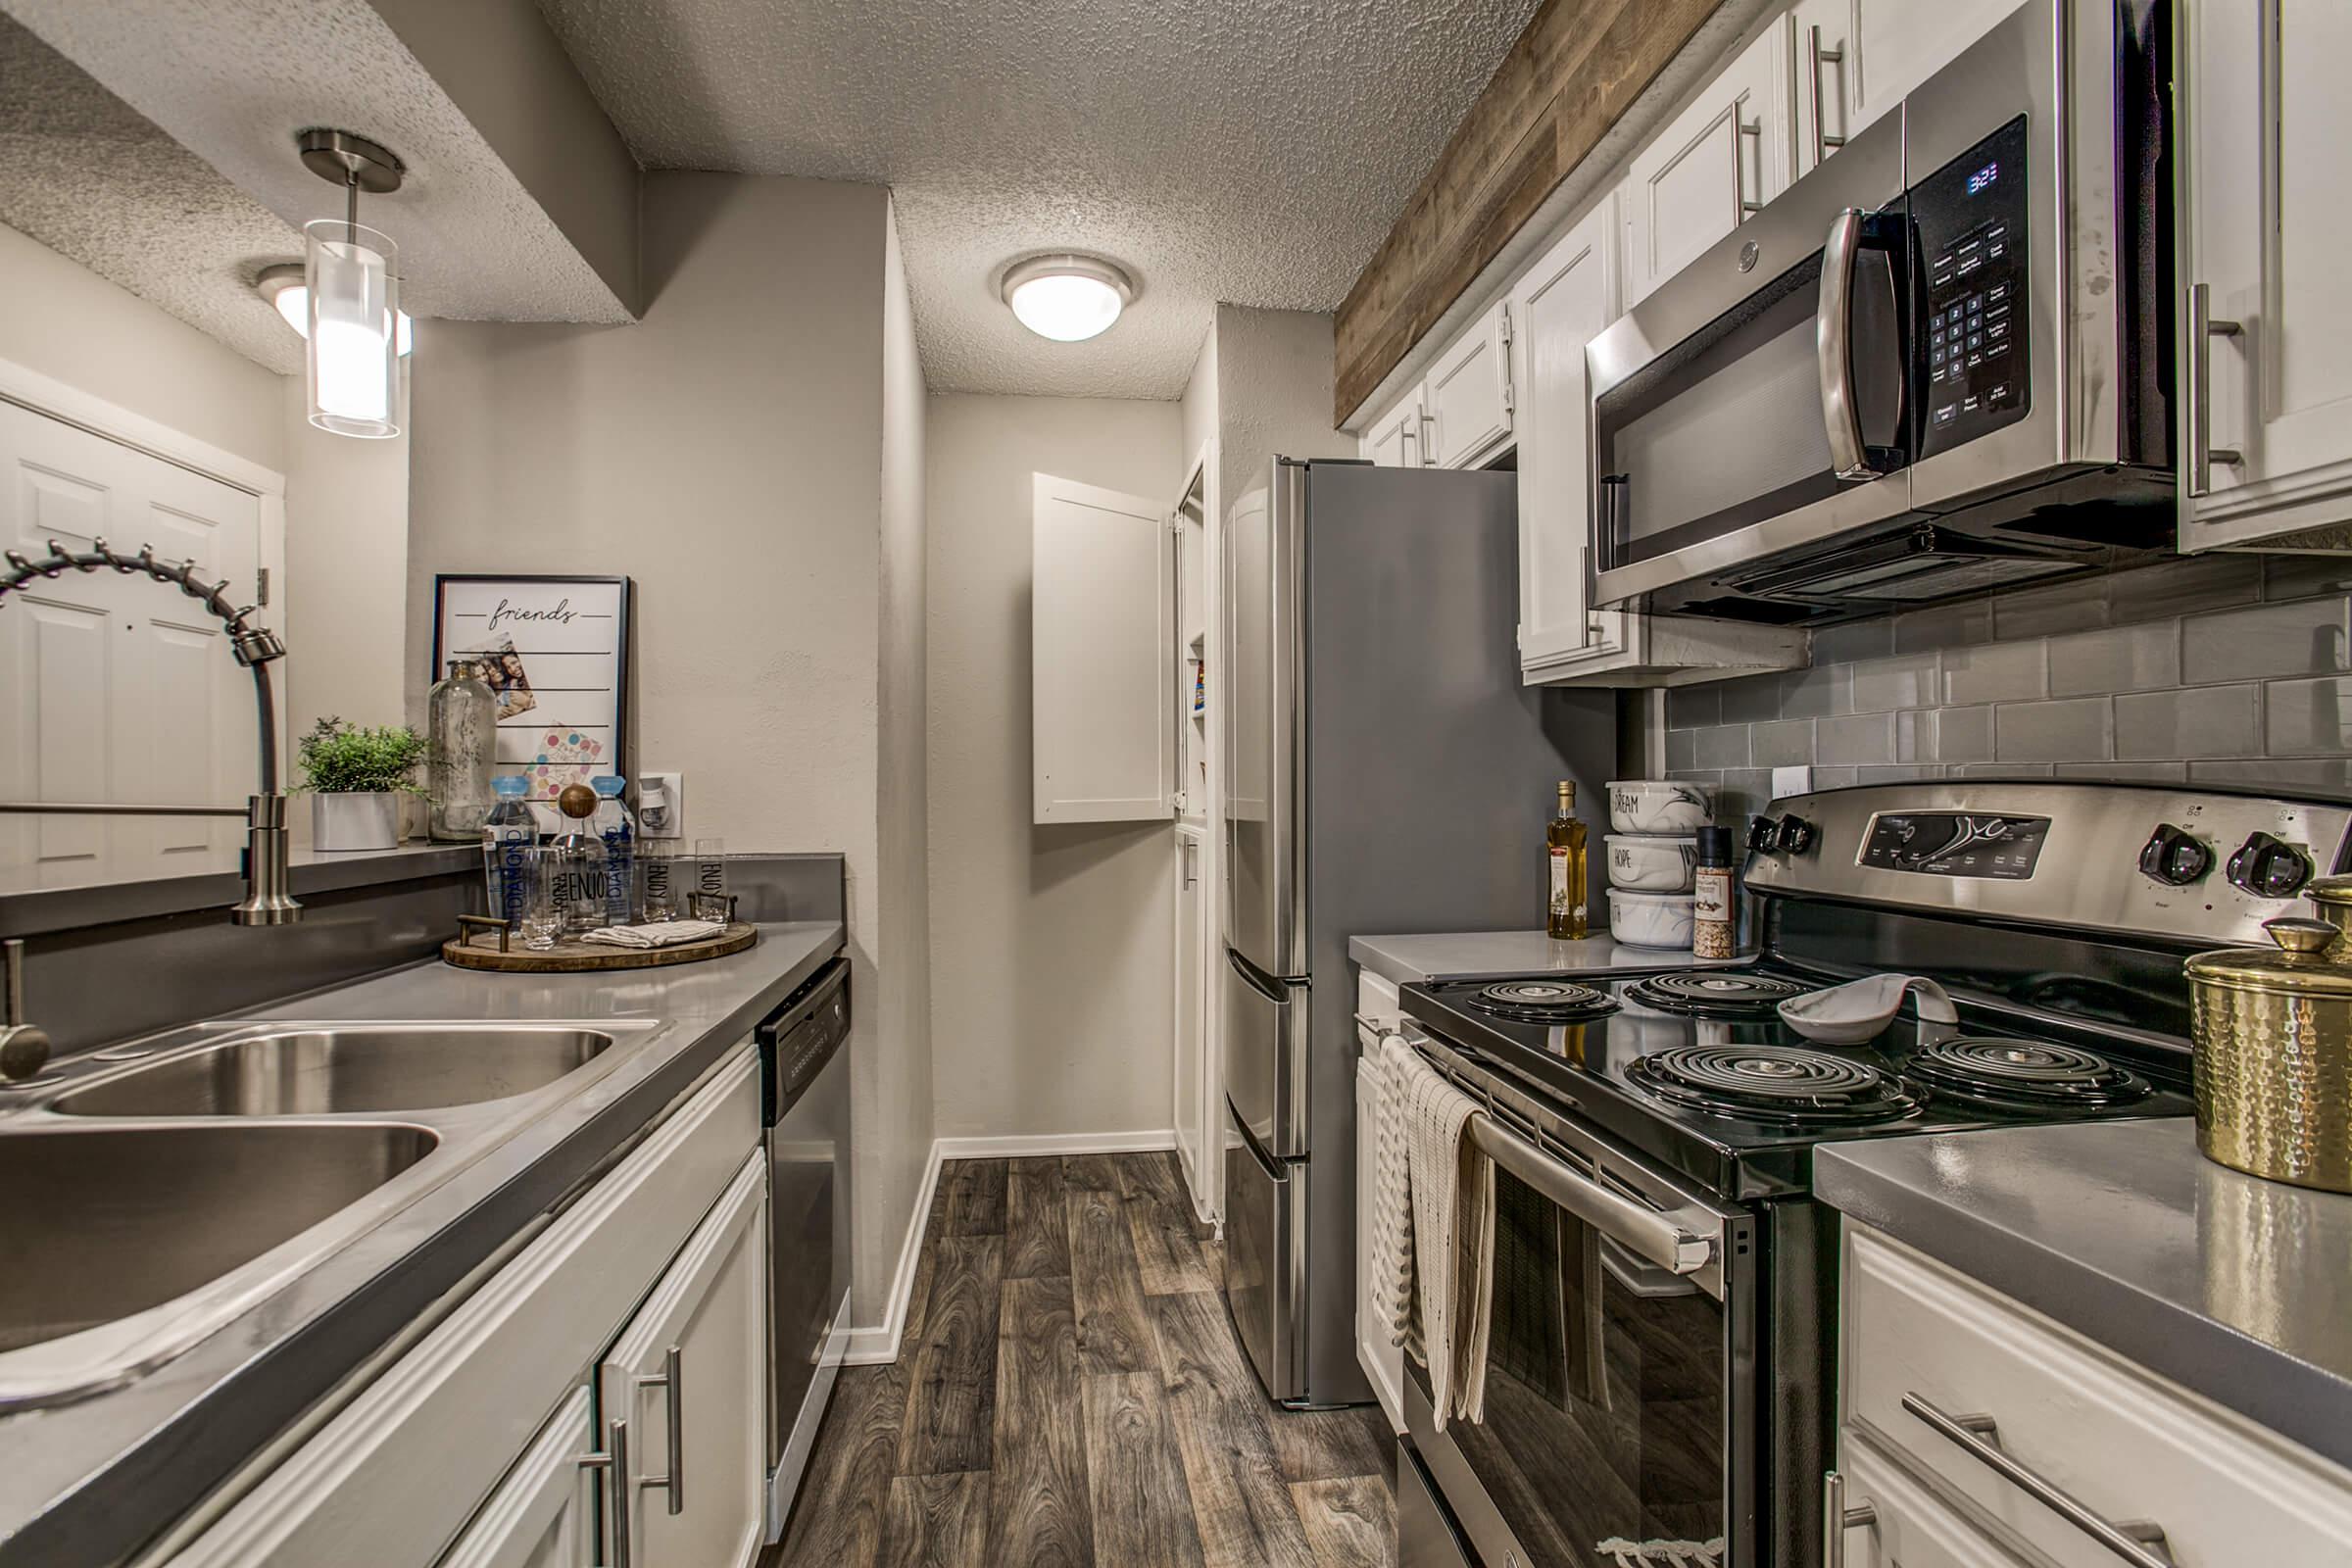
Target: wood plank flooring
1068 1393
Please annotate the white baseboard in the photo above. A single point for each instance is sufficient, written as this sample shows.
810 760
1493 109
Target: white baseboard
1023 1144
879 1343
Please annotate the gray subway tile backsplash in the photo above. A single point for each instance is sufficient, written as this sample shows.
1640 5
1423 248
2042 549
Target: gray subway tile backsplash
2300 637
2226 670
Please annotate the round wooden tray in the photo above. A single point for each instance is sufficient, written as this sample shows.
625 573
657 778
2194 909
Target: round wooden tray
575 957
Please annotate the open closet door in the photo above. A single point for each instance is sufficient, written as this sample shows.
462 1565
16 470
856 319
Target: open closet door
1102 649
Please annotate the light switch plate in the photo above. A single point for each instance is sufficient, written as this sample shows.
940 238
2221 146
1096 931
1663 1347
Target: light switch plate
661 806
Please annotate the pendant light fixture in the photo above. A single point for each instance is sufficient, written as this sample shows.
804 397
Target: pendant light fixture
351 289
1067 297
285 286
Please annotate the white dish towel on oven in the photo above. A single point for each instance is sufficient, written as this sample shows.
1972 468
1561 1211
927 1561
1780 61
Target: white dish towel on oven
1441 1235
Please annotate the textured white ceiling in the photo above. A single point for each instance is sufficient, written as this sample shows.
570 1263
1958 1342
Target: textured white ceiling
230 82
87 175
1250 151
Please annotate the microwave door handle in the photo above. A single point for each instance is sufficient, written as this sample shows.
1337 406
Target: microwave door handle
1833 341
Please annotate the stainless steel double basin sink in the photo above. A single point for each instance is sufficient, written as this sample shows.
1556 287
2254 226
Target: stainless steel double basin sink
152 1192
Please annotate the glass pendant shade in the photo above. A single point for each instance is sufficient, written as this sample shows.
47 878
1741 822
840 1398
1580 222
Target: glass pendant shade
352 306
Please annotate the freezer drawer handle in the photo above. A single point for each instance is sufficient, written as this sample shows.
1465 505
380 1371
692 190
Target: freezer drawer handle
673 1398
2138 1542
1836 1517
1641 1231
613 1461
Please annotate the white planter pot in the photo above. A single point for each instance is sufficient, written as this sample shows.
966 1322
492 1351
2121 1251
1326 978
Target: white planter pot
340 824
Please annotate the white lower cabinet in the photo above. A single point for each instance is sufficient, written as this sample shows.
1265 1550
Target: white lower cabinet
1991 1412
687 1377
467 1448
1199 1088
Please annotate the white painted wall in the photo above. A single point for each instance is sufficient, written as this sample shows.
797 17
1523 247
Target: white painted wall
59 318
1274 391
1052 948
728 452
1200 401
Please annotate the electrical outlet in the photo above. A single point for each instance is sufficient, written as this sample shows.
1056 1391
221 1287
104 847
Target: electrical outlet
661 806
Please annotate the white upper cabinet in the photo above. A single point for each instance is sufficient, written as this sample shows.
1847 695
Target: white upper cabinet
1467 398
1393 439
1562 304
1103 645
1559 305
1857 58
1719 161
2266 449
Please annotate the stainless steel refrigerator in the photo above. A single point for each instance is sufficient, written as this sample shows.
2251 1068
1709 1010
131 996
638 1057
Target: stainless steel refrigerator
1385 771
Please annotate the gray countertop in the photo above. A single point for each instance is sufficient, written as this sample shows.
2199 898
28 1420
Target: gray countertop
1493 955
92 1480
2237 1288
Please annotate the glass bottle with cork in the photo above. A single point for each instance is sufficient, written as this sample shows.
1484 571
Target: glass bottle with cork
1564 844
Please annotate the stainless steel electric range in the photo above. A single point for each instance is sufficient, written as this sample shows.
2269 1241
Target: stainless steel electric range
1660 1378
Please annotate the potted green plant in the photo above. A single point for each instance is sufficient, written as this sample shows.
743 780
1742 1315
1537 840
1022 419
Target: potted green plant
357 776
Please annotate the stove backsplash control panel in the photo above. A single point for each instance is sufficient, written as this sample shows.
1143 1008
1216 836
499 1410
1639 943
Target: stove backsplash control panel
1956 844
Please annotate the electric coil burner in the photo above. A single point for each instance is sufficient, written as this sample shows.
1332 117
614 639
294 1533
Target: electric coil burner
1714 994
2021 1072
1542 1002
1770 1083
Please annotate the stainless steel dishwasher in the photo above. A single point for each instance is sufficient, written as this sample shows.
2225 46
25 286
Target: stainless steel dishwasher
805 1087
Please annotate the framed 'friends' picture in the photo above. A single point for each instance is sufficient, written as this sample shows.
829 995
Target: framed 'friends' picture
555 652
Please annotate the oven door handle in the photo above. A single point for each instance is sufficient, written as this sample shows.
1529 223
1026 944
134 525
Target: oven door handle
1834 345
1643 1232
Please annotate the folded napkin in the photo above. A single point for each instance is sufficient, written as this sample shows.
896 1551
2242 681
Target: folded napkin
659 934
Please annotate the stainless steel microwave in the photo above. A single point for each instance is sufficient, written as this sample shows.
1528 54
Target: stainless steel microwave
1938 364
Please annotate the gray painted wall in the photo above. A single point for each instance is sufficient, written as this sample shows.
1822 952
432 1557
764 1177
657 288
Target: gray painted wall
2229 669
1053 963
728 452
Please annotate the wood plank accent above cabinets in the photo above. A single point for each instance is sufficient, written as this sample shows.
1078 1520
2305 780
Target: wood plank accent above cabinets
1576 68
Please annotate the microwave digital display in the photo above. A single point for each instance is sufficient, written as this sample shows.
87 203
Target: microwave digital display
1974 358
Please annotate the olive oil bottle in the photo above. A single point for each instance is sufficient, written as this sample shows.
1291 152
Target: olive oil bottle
1564 839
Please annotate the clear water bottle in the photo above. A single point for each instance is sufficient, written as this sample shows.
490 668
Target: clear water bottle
617 825
575 858
508 835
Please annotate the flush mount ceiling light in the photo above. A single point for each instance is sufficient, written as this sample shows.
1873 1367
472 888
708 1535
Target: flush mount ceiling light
286 286
351 287
1067 297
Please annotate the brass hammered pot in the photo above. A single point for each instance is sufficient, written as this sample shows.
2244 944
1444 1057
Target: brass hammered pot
2273 1031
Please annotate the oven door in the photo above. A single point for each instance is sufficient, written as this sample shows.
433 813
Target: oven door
1621 1401
1762 397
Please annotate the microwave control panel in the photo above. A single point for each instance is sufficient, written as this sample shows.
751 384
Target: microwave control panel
1971 219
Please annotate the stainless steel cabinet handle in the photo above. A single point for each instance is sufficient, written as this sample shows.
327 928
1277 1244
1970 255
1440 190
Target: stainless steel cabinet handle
1642 1232
1822 141
2202 330
2138 1541
613 1461
1192 869
1742 207
1833 346
1836 1517
1429 448
673 1398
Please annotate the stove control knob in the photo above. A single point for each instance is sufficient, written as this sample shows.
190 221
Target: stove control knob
2269 867
2174 857
1762 834
1793 834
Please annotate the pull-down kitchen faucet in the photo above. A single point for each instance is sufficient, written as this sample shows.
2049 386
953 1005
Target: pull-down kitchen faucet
267 901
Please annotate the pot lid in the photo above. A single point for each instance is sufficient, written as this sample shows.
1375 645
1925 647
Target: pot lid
2305 959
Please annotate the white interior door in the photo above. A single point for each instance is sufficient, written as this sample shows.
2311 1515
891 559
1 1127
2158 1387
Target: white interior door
1102 646
120 688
